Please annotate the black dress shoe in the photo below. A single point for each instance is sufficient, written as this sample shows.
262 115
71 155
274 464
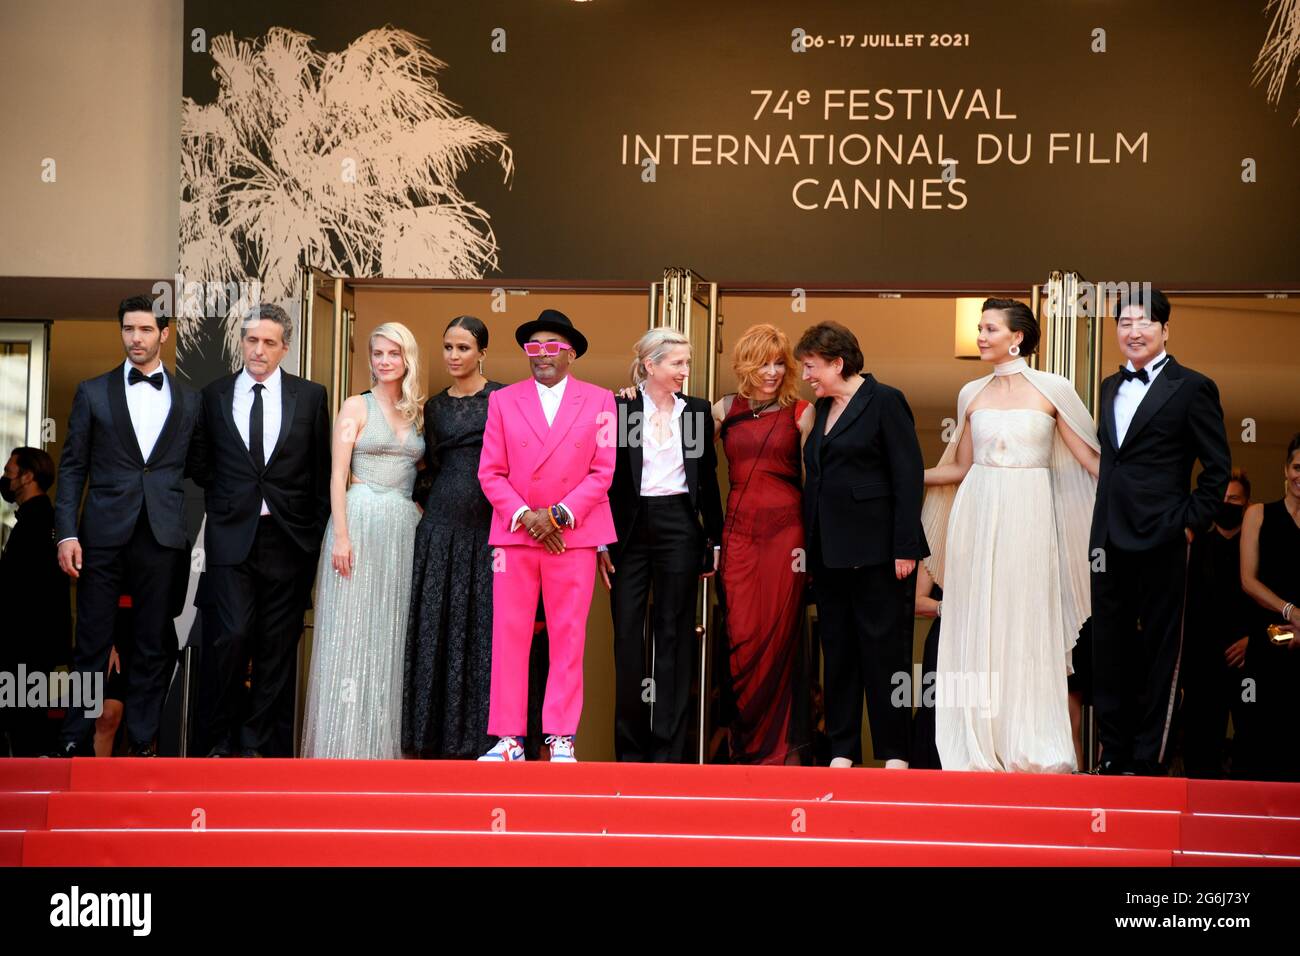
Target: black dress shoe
221 750
1110 768
249 752
141 750
1148 768
68 748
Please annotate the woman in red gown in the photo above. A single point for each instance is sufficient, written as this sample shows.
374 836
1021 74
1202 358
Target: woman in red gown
762 571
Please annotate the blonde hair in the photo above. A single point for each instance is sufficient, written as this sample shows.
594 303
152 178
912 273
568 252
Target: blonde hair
409 406
759 345
654 346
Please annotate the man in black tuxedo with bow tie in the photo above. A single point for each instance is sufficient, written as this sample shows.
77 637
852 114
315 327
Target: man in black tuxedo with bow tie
129 436
265 467
1157 419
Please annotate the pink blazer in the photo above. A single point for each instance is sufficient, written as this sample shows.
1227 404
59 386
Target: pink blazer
526 462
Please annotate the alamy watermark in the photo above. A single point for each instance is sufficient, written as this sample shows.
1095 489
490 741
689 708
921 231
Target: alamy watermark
976 691
210 300
73 690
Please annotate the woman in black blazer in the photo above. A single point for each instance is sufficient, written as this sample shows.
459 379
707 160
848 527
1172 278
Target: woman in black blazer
864 480
668 517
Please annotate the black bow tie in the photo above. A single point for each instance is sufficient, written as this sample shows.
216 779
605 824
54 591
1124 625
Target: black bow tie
136 376
1141 374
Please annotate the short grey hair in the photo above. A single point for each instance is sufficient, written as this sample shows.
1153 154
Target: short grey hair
273 313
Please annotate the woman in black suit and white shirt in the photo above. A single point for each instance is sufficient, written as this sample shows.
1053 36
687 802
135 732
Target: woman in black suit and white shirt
668 516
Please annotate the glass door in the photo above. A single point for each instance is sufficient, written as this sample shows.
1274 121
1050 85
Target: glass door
24 356
1069 311
689 304
328 312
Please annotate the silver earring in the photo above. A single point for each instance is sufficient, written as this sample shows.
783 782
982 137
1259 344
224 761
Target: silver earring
480 367
1014 350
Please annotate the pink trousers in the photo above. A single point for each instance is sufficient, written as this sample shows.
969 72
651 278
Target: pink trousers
565 582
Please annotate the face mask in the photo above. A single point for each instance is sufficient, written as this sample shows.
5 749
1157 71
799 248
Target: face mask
7 491
1229 516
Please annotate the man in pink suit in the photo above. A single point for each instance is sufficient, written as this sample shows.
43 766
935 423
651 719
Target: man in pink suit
546 467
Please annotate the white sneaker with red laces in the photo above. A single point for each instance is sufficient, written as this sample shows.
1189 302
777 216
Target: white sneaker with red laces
561 749
507 750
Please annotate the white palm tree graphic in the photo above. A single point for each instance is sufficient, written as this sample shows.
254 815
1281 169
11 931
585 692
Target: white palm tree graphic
1281 49
351 157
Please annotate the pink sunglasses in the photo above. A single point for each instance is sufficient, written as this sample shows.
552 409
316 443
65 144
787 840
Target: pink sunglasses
535 349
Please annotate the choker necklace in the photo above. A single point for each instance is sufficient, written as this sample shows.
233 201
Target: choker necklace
1011 368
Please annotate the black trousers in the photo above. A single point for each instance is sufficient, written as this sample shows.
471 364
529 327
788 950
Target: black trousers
662 555
258 611
1137 639
864 617
145 570
1211 691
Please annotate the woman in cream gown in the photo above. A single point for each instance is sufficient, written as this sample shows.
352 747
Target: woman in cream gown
1008 513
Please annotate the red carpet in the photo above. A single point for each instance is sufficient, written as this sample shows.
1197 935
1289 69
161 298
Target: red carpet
161 812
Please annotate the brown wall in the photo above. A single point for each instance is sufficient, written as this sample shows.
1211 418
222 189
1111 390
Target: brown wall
96 87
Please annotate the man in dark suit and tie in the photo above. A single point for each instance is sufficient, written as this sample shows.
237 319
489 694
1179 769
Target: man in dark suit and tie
129 437
863 485
1157 419
265 468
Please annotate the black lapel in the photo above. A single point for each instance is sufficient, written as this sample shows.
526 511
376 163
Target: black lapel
122 415
1108 390
691 463
635 454
820 411
856 404
288 400
173 420
227 402
1159 392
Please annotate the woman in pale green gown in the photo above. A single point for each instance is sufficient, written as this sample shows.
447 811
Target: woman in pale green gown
363 586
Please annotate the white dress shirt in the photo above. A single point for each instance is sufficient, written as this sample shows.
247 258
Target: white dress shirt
663 469
550 397
242 408
148 407
1130 394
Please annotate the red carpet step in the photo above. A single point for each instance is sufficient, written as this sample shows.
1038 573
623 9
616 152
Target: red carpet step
125 812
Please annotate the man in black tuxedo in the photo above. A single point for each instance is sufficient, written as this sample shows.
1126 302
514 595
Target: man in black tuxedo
130 437
1157 419
265 468
863 484
668 516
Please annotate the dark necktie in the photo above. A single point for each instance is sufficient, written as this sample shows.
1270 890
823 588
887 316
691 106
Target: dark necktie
255 429
1141 374
135 376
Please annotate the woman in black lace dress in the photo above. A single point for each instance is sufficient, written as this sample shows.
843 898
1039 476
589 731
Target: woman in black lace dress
449 644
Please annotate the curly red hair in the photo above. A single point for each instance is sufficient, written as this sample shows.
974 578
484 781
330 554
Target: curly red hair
760 345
